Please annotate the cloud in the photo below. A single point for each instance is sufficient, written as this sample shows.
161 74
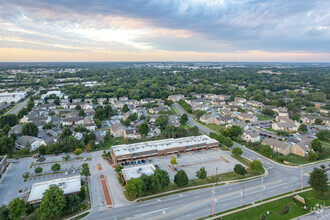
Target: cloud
203 26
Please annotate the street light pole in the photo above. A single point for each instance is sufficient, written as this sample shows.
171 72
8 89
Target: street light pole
262 182
243 194
301 179
213 192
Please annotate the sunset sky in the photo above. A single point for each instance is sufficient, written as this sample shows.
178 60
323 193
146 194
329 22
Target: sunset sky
165 30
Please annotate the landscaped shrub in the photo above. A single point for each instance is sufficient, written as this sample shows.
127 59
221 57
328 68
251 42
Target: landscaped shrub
284 210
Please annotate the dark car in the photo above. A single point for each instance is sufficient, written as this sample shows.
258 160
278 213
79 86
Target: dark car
143 161
122 164
157 167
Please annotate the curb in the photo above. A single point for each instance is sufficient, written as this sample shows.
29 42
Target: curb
72 217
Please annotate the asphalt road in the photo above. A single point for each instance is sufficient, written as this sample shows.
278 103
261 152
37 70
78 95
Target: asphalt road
198 203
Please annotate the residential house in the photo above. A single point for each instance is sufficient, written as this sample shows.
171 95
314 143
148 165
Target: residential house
86 106
240 100
250 136
302 148
207 119
131 133
277 146
158 109
72 121
325 111
311 120
90 112
222 120
78 100
88 123
101 100
123 98
247 117
34 142
218 102
242 124
16 130
285 124
117 130
112 100
153 118
199 107
254 103
147 101
175 98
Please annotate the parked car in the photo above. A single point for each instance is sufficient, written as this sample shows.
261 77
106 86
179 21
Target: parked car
143 161
157 167
139 162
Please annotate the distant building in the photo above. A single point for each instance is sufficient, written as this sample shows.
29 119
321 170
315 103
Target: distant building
12 96
175 98
34 142
277 146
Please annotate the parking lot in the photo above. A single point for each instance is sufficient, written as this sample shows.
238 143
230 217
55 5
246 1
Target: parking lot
215 162
12 180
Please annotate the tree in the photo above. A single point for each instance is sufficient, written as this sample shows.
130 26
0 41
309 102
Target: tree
119 167
303 128
7 145
134 187
81 113
85 170
318 121
38 170
99 113
66 132
256 166
77 151
237 151
125 108
160 179
183 118
98 122
317 145
82 193
323 135
88 148
4 212
234 131
30 129
312 156
266 150
147 180
162 121
201 173
56 167
239 169
143 129
52 204
268 112
16 208
181 178
318 180
173 161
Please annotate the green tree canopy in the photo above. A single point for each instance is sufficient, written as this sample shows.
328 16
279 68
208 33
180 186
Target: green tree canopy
162 121
30 129
266 150
181 178
125 108
183 118
160 179
237 151
56 167
323 135
16 208
135 187
52 204
318 180
143 129
317 145
312 156
201 173
303 128
239 169
256 166
66 132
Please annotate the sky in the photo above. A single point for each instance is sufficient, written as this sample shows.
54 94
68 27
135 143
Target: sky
165 30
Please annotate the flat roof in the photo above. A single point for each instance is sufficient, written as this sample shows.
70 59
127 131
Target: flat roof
136 172
164 144
68 185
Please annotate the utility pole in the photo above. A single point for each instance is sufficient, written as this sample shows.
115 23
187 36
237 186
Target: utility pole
243 200
213 192
262 182
301 179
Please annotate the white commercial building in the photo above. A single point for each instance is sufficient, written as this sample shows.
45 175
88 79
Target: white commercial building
57 93
136 172
69 185
12 96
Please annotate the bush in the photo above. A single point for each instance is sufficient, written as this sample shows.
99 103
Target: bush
284 210
56 167
239 169
181 178
82 206
237 151
38 170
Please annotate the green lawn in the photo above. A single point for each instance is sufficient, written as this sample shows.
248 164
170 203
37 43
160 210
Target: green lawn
276 206
263 118
326 152
242 160
214 127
